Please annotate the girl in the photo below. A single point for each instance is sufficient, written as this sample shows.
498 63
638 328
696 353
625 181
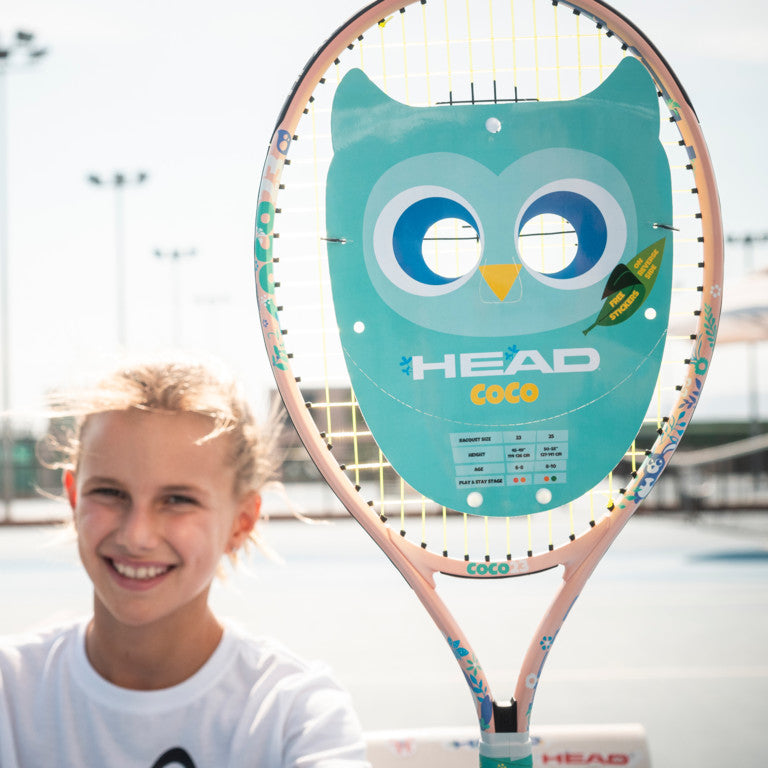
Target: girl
163 472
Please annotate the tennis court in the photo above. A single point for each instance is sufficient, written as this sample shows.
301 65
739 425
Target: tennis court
671 631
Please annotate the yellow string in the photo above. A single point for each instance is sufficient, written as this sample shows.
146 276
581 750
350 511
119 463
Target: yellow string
383 59
405 60
493 40
466 535
469 46
549 529
381 479
448 49
530 533
402 504
557 53
610 489
514 43
426 53
536 51
578 51
355 446
600 55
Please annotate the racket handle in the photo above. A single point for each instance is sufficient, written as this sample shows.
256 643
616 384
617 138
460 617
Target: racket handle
505 750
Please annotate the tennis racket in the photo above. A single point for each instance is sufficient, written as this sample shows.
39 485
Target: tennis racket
477 222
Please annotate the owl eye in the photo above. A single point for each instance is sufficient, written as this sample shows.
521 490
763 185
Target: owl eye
571 234
427 241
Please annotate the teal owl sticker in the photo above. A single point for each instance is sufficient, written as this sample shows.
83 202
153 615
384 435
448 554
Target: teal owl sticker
501 385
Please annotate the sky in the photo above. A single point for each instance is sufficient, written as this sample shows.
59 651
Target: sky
188 92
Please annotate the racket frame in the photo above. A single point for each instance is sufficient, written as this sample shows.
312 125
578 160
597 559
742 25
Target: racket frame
506 734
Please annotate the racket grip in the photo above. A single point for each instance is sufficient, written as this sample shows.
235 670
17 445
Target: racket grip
505 750
500 762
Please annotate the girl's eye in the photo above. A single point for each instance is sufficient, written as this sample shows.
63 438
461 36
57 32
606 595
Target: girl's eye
178 499
109 493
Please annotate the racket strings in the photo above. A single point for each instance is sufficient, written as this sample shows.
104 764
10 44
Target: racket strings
396 498
427 67
424 58
533 77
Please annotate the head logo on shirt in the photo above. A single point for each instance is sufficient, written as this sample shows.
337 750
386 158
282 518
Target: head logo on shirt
175 756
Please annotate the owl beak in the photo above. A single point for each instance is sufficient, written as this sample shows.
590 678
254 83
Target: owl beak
500 278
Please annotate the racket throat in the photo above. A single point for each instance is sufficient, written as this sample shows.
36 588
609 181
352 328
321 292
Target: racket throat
505 716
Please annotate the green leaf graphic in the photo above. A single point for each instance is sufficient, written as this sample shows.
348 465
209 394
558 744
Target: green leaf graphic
646 264
618 307
628 286
621 278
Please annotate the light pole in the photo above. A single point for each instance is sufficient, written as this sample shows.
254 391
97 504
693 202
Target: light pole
20 53
119 181
175 256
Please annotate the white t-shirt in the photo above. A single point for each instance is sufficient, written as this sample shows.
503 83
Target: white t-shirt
252 704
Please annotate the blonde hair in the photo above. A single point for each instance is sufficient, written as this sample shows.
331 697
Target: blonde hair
170 387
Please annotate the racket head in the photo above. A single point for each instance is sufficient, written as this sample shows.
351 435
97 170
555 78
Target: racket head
383 41
427 54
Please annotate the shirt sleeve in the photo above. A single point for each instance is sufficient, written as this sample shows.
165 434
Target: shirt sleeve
322 729
8 755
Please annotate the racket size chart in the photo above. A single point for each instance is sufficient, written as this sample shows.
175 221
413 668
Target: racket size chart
509 458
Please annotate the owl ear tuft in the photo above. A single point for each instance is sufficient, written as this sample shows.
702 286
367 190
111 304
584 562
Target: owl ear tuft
359 107
631 86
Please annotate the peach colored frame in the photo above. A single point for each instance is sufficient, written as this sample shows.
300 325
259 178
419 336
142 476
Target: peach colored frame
580 556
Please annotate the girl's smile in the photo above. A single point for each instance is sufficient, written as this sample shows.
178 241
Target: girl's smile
137 575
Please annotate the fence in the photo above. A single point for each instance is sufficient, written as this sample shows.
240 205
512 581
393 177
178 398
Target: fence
719 466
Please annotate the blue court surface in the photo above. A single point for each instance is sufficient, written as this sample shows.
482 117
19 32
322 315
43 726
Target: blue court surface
671 632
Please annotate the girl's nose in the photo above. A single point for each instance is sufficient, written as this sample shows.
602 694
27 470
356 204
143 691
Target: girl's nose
138 528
